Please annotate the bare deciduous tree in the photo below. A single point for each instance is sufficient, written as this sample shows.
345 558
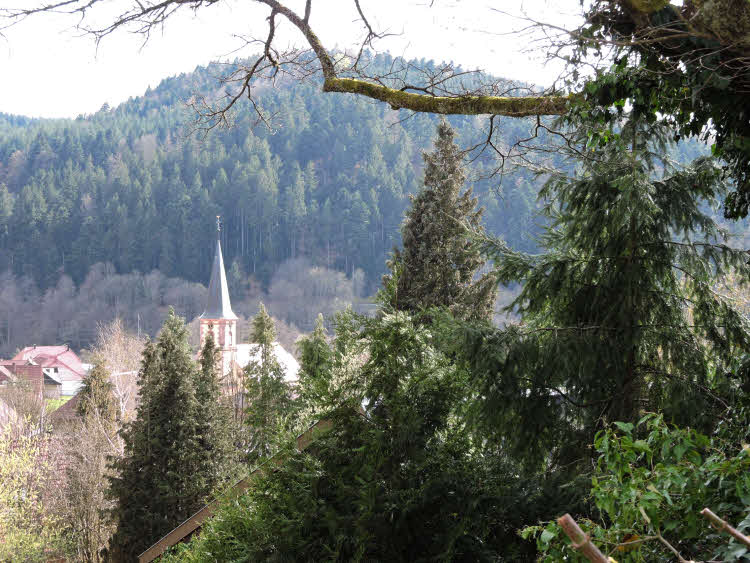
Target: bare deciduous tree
80 496
120 352
27 406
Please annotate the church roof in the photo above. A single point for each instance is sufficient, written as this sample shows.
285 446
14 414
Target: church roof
217 304
247 352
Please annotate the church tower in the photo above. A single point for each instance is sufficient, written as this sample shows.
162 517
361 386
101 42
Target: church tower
218 316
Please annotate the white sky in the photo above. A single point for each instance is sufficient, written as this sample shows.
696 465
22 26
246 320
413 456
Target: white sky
49 70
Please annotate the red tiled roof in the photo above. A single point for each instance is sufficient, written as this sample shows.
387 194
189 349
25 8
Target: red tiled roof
52 356
13 363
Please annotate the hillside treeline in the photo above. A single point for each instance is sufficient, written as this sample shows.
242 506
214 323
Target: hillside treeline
73 313
131 186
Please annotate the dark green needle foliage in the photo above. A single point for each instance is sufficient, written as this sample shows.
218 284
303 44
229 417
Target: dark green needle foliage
165 474
439 261
268 395
316 363
682 63
96 398
217 454
396 478
620 314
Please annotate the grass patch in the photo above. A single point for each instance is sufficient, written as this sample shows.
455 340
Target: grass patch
52 405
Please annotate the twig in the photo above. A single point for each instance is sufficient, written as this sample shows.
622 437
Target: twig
724 526
581 542
671 548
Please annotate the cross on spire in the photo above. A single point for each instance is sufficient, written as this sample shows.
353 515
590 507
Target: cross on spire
218 226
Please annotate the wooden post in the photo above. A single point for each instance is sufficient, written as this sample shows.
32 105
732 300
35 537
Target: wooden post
581 542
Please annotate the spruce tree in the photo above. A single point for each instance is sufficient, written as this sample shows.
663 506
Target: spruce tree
96 397
619 316
401 481
268 395
164 476
316 363
439 261
217 455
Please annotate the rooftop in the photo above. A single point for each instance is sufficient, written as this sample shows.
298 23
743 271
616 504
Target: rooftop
51 356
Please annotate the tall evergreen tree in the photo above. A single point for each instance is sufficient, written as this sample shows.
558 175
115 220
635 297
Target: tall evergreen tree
96 397
163 476
316 363
216 451
268 395
620 315
439 261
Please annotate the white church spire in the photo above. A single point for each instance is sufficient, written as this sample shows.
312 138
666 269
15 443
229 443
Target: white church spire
218 305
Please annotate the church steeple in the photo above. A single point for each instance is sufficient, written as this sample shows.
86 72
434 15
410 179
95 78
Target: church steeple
218 305
218 318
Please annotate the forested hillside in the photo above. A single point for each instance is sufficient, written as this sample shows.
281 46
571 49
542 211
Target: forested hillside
117 209
132 187
611 418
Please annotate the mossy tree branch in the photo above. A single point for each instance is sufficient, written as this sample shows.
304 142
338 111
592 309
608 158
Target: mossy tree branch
459 105
434 97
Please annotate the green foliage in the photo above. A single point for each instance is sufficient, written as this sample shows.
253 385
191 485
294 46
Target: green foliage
316 364
440 261
687 75
96 398
268 395
330 372
128 187
652 480
171 464
215 451
619 315
29 529
264 330
397 480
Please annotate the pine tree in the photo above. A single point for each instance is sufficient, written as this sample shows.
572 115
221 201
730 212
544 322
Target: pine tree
316 363
400 482
163 476
216 451
96 397
439 261
268 395
619 315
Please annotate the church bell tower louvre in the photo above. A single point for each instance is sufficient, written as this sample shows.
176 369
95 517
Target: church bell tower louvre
218 316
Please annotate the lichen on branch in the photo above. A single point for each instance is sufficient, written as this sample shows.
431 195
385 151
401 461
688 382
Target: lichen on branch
462 105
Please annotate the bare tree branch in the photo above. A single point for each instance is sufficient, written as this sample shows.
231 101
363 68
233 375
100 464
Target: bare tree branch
724 526
144 16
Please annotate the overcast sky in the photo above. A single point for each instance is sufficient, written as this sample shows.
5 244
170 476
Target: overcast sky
49 70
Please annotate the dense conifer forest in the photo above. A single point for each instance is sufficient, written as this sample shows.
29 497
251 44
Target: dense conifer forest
132 186
117 209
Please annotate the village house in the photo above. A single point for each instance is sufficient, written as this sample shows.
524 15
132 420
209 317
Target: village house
54 371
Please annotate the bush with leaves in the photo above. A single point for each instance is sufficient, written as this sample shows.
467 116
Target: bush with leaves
29 529
651 481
